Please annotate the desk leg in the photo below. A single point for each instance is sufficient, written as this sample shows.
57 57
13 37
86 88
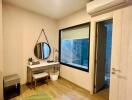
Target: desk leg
54 69
29 78
32 80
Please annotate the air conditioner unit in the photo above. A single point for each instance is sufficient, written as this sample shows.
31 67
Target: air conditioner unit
96 6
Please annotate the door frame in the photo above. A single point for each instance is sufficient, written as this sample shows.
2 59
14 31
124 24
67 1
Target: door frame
94 20
96 52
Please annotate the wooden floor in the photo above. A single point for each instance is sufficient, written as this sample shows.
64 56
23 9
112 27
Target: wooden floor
62 90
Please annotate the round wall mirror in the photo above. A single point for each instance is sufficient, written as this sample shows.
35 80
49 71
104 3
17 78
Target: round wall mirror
42 50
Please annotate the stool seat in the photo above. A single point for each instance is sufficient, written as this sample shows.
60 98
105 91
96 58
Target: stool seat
40 75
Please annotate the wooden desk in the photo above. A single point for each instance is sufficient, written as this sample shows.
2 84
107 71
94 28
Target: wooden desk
41 67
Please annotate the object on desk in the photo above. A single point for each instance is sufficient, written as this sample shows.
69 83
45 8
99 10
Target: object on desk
39 76
35 63
55 54
50 61
30 61
11 86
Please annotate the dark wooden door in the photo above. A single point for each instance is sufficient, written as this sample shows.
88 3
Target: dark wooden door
100 56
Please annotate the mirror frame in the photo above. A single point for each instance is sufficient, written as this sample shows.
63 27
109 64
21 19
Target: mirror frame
49 51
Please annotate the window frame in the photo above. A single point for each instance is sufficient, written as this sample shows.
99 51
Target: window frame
68 65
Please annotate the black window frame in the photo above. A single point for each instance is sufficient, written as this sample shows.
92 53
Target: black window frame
72 66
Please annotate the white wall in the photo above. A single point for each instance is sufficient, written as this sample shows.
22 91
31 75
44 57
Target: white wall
1 53
76 76
81 78
74 19
21 31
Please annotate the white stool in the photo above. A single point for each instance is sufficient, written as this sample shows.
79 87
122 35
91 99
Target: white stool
39 76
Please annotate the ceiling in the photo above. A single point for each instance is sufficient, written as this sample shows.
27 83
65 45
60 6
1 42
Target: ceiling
52 8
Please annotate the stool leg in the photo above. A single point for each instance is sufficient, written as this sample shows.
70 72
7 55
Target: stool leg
32 82
35 82
47 80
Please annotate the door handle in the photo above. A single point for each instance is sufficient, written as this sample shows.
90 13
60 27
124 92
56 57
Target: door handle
116 70
113 73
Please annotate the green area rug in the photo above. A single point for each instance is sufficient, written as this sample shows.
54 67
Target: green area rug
39 96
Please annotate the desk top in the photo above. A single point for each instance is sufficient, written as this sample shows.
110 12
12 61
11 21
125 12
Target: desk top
43 64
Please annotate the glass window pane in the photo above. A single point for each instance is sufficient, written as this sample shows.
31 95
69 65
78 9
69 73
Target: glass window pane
74 45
